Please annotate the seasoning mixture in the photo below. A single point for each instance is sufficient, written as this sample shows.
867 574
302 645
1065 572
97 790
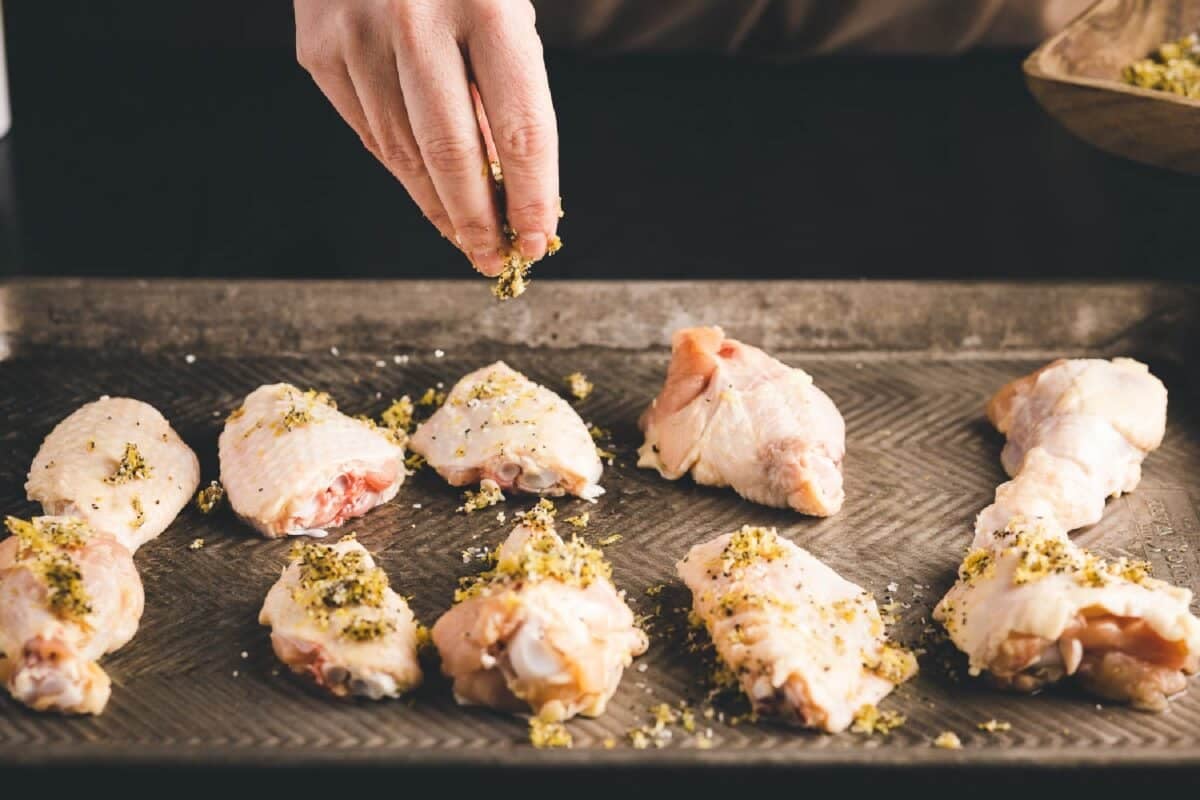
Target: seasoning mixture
1174 68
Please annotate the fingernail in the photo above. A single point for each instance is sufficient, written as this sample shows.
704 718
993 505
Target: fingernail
488 262
532 245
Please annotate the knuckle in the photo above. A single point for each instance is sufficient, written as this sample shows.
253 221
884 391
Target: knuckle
403 161
452 154
533 215
476 232
529 141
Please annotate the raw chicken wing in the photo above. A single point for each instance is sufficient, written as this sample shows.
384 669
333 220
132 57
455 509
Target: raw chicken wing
335 621
805 644
117 464
498 424
1031 608
733 416
544 630
291 462
1077 431
68 595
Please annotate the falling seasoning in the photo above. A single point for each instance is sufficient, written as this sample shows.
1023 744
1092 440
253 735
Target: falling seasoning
210 497
579 385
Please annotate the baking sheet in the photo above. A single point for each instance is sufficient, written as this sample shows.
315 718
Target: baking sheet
909 365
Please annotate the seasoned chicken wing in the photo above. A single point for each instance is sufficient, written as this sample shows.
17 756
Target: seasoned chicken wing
1077 431
498 424
1031 607
805 644
733 416
117 464
335 620
292 463
544 630
68 595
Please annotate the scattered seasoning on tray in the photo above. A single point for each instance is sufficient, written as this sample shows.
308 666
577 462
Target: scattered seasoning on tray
414 462
399 415
580 520
995 726
548 734
131 467
612 539
579 385
948 740
869 721
208 498
489 494
432 398
197 544
1173 68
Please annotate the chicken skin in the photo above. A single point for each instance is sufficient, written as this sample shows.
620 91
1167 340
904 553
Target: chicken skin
68 595
545 630
497 424
805 644
733 416
1078 432
1031 608
117 464
291 463
335 620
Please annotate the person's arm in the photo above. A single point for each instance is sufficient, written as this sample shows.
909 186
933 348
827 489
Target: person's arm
400 73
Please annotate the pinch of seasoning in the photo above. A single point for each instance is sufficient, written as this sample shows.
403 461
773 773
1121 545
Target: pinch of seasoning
197 544
131 467
579 385
513 280
209 497
547 734
948 740
489 494
995 726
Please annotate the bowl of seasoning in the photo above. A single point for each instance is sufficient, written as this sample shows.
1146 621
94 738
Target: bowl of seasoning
1125 76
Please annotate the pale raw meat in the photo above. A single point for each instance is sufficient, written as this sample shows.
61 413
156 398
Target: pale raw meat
806 644
292 463
335 621
1031 607
78 470
733 416
548 632
1078 431
68 595
497 424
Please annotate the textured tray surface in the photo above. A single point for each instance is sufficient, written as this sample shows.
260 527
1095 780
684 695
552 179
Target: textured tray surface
921 462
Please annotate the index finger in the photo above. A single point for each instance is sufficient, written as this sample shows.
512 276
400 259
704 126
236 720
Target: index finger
506 58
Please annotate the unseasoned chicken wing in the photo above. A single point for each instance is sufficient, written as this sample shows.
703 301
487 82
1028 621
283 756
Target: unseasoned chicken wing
1031 608
292 463
117 464
498 424
1078 432
68 595
545 630
804 643
335 620
733 416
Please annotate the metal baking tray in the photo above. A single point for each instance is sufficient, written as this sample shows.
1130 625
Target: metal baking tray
909 364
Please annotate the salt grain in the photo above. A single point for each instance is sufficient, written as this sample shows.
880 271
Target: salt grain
189 358
333 351
439 353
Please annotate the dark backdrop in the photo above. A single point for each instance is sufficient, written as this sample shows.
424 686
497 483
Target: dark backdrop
181 138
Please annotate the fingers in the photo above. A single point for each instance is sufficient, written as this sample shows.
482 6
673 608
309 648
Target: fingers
433 79
506 59
377 85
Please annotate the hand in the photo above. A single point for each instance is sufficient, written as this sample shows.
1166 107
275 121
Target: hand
400 72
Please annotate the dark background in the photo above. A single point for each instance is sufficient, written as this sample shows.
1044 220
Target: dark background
181 138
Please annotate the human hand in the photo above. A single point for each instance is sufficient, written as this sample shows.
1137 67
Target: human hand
400 72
